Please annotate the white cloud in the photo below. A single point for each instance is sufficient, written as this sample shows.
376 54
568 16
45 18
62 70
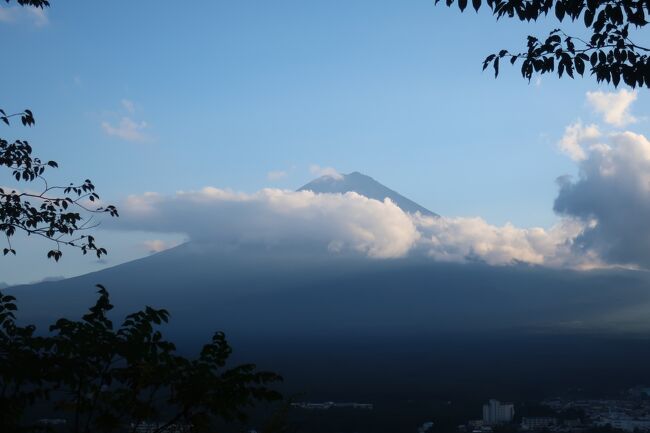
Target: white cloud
343 222
15 14
127 129
461 239
337 223
614 106
317 170
613 190
575 135
276 175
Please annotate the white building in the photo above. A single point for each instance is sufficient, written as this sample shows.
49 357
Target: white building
496 413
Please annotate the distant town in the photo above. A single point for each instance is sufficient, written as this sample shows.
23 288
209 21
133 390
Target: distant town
629 413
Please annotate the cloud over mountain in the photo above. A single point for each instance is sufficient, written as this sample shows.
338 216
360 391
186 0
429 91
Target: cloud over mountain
462 239
343 222
604 211
271 217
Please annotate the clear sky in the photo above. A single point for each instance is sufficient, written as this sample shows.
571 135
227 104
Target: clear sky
166 96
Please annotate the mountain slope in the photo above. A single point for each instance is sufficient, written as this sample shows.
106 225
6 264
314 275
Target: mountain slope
288 292
351 326
366 186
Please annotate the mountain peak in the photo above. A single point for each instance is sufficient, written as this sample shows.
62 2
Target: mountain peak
366 186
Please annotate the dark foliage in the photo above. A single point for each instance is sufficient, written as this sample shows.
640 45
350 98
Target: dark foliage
54 212
104 379
608 52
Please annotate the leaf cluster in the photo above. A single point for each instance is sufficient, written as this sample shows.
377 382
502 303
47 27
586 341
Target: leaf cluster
106 379
56 213
608 53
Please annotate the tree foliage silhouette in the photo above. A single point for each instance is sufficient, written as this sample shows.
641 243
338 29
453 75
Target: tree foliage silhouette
609 52
105 379
52 212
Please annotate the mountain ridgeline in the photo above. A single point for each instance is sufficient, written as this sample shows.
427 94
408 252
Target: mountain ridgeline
366 186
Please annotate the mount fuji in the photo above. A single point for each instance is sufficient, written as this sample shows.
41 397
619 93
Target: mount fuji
366 186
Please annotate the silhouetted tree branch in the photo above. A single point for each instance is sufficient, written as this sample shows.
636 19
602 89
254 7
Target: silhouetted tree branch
52 212
608 53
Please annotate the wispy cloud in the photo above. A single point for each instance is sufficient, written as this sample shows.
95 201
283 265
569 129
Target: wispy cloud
317 170
613 106
127 129
16 14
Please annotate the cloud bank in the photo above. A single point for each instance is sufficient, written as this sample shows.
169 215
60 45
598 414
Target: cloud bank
338 223
473 239
335 222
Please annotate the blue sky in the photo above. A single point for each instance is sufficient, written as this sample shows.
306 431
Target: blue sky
222 93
